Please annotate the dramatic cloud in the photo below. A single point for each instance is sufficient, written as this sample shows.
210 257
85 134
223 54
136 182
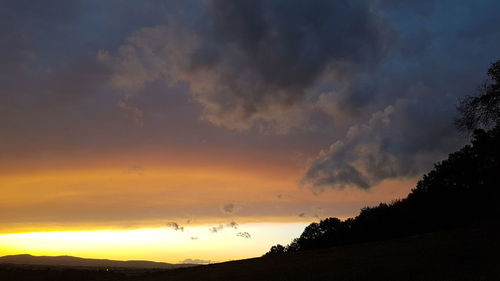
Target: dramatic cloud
244 235
175 226
381 149
253 63
374 84
409 99
357 160
277 65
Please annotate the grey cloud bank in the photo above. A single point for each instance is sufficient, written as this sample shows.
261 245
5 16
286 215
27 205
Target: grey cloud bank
379 79
252 63
386 74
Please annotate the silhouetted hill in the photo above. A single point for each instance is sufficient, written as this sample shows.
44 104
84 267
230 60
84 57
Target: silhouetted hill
458 254
81 262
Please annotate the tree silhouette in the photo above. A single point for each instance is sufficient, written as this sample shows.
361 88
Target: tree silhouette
277 249
482 111
460 191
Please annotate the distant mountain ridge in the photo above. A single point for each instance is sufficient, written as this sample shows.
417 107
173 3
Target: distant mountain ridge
83 262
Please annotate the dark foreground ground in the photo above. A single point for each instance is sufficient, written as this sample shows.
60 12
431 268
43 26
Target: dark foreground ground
461 254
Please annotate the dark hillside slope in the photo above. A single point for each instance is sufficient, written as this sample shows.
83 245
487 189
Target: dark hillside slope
459 254
81 262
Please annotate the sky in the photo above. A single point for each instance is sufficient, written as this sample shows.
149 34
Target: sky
210 130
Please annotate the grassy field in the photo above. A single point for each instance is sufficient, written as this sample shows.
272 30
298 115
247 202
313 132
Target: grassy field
461 254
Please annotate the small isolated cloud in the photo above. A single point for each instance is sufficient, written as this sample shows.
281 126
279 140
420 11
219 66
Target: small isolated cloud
232 224
175 226
196 261
194 238
215 229
301 215
228 208
244 235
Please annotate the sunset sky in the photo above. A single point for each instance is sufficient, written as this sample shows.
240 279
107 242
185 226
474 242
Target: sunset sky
211 130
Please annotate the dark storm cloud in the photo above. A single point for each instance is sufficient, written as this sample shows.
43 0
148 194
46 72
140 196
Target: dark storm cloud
358 160
402 140
442 55
252 62
271 63
379 79
388 73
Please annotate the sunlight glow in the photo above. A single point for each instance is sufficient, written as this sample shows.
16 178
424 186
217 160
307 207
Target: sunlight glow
156 244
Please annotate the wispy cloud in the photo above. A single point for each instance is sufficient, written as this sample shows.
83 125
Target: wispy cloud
215 229
231 224
196 261
244 235
132 112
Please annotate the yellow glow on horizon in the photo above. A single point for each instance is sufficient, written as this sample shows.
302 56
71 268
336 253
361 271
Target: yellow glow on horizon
99 198
155 244
120 213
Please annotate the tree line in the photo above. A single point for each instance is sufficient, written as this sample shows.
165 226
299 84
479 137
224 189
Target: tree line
460 191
